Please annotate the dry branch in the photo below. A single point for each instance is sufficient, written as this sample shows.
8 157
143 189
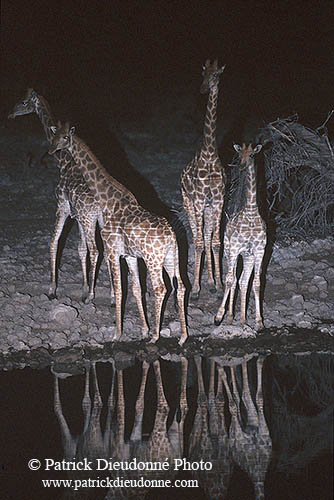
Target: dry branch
300 177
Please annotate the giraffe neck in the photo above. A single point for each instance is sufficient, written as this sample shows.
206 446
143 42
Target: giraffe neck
105 188
251 201
209 147
43 112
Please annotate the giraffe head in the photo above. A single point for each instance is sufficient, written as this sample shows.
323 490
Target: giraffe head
211 74
26 105
246 153
62 137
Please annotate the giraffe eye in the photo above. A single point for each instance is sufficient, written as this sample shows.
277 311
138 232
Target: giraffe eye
25 103
66 137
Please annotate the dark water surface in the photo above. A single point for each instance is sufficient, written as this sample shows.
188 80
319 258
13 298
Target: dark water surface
255 426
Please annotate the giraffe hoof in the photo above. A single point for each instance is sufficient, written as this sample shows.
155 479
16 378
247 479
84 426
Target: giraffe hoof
87 300
217 321
194 296
259 325
145 333
182 340
51 296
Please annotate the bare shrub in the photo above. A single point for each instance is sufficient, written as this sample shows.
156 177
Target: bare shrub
299 168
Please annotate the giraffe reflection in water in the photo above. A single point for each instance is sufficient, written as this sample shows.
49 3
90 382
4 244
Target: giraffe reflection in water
201 428
111 444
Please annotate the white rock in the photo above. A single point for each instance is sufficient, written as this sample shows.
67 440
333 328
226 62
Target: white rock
165 332
297 301
304 324
63 315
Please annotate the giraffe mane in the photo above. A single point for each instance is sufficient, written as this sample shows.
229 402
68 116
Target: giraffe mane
45 104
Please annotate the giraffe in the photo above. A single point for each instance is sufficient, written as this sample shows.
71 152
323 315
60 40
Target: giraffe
250 443
93 442
129 231
245 235
203 187
209 437
74 199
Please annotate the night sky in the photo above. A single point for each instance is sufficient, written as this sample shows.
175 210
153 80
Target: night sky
124 58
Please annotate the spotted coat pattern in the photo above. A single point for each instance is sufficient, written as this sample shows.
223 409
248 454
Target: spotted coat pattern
203 188
74 198
245 235
128 231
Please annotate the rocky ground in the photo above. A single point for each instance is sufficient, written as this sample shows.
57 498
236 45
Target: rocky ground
298 305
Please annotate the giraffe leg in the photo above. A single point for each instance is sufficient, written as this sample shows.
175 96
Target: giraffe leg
159 292
264 431
115 268
136 433
248 265
82 251
95 419
181 290
137 292
259 395
230 285
252 416
199 247
93 256
189 208
171 265
183 394
110 410
61 216
120 410
112 294
216 245
160 390
208 229
86 401
257 289
234 429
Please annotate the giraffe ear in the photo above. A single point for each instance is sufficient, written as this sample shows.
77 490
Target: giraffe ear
257 149
215 64
53 129
237 148
72 131
33 93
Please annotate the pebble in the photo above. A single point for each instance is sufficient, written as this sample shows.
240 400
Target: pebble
330 273
278 281
63 315
174 326
297 301
165 332
304 324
